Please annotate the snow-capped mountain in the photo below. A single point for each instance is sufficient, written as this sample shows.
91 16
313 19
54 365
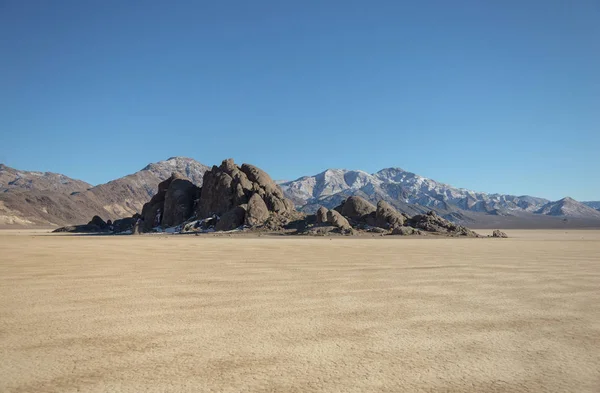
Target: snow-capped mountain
403 189
568 207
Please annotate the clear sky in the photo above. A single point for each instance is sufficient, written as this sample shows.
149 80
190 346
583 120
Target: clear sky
495 96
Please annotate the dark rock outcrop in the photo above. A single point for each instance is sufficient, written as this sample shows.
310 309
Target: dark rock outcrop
152 211
179 202
99 222
124 224
431 222
85 228
232 219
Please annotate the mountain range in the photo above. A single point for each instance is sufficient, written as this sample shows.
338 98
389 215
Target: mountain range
36 198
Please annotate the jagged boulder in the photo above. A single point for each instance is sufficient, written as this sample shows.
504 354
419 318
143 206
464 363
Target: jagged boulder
431 222
499 233
388 217
322 215
179 202
257 212
232 219
337 220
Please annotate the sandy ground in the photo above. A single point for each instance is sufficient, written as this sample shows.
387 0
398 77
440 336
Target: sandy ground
204 314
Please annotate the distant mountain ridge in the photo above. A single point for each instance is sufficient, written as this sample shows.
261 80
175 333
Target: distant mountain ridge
13 179
412 193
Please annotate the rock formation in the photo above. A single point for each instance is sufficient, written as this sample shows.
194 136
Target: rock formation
232 219
322 215
152 211
232 196
337 220
499 233
241 195
431 222
256 212
358 211
388 217
99 222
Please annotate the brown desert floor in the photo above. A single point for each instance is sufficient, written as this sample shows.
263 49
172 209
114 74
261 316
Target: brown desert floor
203 314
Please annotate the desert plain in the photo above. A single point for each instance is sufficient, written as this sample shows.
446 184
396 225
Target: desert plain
160 313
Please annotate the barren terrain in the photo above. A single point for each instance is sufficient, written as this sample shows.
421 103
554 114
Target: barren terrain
225 314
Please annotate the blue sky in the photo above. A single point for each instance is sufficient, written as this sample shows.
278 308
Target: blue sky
496 96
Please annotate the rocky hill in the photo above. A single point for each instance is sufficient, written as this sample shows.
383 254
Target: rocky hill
59 200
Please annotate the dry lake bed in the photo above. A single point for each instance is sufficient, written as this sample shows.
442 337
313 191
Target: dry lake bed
226 314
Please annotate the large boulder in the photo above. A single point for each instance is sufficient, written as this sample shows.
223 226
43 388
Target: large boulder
152 214
232 219
179 202
124 224
336 219
99 222
322 215
152 211
388 217
355 208
499 233
218 190
257 212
